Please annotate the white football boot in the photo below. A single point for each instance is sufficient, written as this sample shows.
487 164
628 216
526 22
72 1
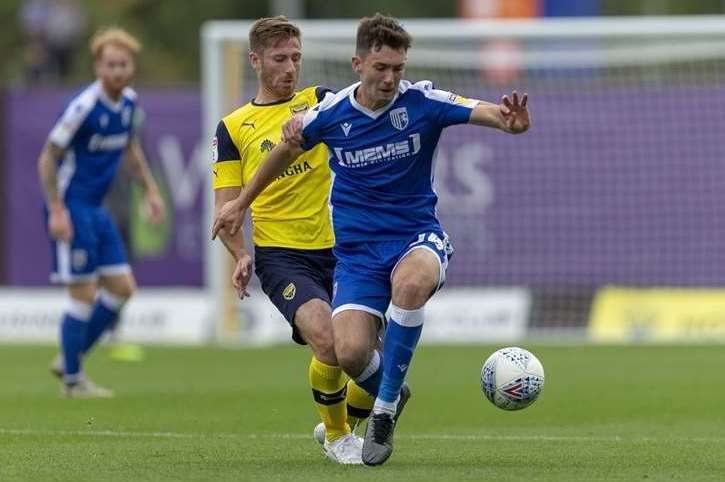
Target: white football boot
319 433
86 389
346 450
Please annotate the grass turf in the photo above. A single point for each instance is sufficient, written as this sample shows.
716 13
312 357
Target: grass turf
607 413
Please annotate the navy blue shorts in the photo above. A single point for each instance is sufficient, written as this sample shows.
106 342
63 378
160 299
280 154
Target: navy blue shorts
292 277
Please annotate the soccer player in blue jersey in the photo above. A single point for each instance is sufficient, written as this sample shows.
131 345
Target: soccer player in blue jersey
391 250
76 167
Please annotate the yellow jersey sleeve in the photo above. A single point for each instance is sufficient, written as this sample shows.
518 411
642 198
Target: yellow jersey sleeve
227 167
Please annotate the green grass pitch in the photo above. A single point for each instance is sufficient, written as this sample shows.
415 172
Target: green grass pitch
606 413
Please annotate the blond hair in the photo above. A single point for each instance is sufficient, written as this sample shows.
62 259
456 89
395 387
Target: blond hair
266 32
113 36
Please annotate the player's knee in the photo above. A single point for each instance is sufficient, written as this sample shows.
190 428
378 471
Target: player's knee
83 297
325 353
351 356
83 292
412 291
124 290
322 344
312 320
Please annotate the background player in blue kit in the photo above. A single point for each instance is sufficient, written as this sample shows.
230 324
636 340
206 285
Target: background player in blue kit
391 250
76 168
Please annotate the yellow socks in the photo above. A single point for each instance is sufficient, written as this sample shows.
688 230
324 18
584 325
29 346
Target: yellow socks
359 404
329 390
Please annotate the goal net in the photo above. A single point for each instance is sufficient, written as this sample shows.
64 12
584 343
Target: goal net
619 183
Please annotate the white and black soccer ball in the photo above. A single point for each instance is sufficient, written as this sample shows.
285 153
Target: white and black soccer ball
512 378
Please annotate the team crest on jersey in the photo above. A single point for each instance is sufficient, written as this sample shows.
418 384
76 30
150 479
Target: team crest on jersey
299 108
103 121
266 146
79 258
289 292
399 118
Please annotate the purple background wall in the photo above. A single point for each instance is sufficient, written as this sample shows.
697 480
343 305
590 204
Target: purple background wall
622 185
615 184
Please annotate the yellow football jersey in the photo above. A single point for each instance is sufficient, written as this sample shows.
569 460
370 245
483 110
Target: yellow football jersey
292 212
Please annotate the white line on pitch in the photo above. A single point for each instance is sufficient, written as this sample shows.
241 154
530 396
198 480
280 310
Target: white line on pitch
96 433
303 436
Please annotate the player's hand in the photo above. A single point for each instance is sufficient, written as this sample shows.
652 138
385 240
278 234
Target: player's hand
242 274
292 131
515 113
60 226
154 207
229 218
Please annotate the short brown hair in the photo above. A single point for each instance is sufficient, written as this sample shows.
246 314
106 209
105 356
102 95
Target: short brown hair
113 36
380 30
267 32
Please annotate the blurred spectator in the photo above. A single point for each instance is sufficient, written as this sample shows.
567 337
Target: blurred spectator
65 28
33 17
52 30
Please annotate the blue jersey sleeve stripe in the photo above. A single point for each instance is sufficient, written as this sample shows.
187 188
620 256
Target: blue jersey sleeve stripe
310 128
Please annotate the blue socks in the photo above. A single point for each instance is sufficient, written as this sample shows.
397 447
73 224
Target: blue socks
82 326
104 316
401 338
369 379
384 380
73 329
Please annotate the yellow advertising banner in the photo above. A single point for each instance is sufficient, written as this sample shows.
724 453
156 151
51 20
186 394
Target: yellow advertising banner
658 315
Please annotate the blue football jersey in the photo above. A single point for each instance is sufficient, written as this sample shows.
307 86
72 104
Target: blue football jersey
94 131
383 161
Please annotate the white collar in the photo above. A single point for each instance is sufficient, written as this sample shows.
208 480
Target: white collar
374 114
103 97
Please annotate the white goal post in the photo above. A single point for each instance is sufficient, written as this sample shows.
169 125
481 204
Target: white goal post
617 183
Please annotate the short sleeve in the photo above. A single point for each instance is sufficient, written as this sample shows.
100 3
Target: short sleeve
227 164
311 128
321 92
223 147
138 119
449 108
69 123
138 115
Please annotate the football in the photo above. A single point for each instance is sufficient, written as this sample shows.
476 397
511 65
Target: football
512 378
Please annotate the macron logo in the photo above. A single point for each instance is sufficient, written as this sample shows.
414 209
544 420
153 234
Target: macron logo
346 128
402 367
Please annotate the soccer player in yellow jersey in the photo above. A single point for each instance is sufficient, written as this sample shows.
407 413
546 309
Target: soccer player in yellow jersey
292 235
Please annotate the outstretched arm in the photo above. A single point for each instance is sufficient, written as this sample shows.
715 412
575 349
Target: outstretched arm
511 115
231 215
